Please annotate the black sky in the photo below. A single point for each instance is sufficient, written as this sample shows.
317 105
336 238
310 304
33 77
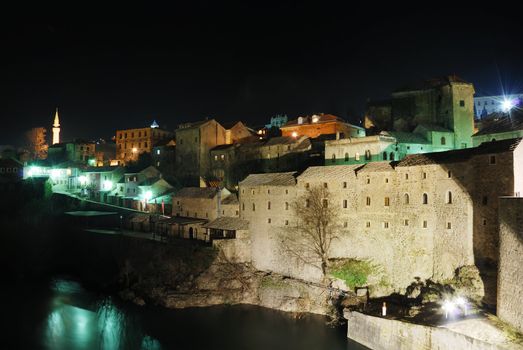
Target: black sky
245 62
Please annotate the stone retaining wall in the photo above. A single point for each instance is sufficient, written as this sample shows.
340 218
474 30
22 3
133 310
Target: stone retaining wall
385 334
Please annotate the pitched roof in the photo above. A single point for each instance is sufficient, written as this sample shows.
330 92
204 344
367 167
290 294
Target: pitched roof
405 137
331 172
197 192
230 199
461 154
270 179
228 223
502 122
427 84
433 127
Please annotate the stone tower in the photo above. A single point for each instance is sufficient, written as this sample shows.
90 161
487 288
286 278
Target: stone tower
56 128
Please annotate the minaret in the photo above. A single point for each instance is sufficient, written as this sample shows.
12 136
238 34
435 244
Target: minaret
56 128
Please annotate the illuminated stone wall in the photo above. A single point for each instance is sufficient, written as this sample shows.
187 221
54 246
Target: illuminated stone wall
510 271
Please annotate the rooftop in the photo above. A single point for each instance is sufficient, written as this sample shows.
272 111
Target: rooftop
321 118
461 154
331 172
270 179
228 223
406 137
501 122
197 192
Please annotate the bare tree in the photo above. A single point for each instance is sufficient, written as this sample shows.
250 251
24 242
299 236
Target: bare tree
36 144
309 239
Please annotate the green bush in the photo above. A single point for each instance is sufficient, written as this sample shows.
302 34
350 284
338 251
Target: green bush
353 272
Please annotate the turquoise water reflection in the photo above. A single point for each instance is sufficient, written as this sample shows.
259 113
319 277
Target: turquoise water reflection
63 315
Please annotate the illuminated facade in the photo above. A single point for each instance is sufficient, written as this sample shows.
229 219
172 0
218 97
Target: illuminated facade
320 124
130 143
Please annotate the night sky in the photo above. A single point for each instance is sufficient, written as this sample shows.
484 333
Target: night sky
242 63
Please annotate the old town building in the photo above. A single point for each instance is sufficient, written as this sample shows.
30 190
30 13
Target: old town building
499 126
130 143
194 142
446 102
320 124
81 151
424 216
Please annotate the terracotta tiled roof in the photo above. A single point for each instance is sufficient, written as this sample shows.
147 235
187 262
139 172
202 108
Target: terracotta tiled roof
270 179
461 154
228 223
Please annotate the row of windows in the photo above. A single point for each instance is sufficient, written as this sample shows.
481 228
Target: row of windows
124 135
391 156
8 170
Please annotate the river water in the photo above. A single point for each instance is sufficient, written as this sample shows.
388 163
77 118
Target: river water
61 314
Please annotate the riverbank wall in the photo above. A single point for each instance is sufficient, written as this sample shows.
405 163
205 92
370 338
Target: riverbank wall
383 334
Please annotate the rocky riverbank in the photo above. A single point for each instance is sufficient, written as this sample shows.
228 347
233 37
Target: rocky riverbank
219 282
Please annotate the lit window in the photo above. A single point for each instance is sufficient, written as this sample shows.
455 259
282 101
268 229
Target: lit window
357 156
223 156
157 151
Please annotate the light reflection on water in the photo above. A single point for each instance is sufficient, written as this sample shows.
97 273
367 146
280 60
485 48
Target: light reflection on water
103 326
66 316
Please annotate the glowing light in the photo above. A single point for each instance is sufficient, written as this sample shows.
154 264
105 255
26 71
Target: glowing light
462 303
107 185
508 104
148 195
448 307
55 173
83 180
135 149
69 172
294 134
315 119
154 125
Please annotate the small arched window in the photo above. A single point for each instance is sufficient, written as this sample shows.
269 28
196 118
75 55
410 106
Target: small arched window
367 155
425 198
384 155
268 205
449 197
443 141
286 205
406 199
346 157
333 158
391 156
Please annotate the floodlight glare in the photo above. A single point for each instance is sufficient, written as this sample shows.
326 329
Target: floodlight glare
507 104
448 307
107 185
148 195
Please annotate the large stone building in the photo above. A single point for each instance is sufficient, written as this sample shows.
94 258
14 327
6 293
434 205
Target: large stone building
232 163
424 216
194 142
320 124
510 276
81 151
388 145
446 102
130 143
